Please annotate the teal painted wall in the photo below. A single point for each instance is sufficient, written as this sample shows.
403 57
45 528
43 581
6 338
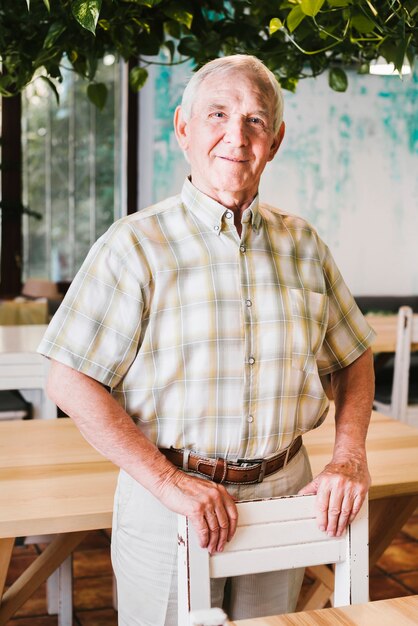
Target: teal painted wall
348 163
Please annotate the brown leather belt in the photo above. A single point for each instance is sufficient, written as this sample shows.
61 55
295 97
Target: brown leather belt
240 473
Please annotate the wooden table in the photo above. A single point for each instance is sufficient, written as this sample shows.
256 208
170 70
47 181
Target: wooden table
395 612
385 327
21 367
52 481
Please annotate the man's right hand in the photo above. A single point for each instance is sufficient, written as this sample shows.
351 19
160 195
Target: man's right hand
109 429
208 505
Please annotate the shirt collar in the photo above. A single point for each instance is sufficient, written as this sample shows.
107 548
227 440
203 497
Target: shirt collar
213 213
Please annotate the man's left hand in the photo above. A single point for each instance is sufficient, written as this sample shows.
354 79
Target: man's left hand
340 488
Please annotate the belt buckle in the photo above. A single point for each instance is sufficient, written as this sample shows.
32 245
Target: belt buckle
261 462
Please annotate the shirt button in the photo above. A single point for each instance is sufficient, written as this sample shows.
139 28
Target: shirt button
248 302
242 249
216 228
250 419
228 215
251 360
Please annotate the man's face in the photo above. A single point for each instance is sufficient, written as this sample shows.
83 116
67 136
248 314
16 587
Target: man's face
229 137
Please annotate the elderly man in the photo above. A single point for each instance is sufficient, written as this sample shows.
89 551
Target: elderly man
189 351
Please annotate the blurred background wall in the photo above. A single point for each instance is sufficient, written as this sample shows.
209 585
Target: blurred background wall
348 163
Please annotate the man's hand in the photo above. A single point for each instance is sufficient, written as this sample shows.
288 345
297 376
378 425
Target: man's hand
340 488
107 427
209 507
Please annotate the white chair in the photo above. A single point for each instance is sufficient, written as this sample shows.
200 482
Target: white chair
274 534
407 334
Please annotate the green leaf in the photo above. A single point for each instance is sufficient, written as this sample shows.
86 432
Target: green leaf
169 45
52 87
175 12
55 30
294 18
54 70
28 3
289 83
389 50
86 12
400 55
189 46
339 3
46 3
148 44
364 68
311 7
337 79
145 3
410 55
275 25
143 25
97 94
362 24
104 24
137 78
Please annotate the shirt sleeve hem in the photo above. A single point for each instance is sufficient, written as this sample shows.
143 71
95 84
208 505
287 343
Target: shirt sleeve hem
351 357
80 364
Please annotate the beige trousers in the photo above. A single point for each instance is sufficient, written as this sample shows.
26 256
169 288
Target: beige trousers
144 556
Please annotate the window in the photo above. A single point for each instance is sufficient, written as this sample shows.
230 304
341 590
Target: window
72 168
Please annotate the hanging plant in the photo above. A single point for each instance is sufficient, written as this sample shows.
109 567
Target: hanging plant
295 38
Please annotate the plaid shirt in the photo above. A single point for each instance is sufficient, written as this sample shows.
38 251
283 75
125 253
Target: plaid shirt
210 341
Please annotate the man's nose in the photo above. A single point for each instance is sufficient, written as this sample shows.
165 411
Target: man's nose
236 132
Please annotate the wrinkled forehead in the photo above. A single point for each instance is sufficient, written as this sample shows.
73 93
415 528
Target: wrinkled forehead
239 82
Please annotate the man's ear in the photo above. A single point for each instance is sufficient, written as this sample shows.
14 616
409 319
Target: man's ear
180 128
278 138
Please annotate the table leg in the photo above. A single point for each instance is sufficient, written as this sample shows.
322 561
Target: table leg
6 549
46 563
386 518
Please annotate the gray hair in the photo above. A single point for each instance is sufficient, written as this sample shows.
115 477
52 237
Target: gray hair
265 78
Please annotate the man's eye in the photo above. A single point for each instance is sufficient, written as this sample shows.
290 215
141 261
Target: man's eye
218 114
255 120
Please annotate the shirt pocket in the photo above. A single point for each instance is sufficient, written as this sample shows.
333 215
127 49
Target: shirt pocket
309 324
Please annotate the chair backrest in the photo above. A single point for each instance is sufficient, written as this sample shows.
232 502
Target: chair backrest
274 534
407 334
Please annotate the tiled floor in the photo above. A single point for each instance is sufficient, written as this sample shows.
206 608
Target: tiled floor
396 574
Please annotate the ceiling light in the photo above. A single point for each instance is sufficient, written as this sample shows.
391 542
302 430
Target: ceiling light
381 67
108 59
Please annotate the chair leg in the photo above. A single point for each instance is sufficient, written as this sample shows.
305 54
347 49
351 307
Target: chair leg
60 593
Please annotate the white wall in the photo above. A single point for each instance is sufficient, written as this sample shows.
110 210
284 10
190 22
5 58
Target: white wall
348 163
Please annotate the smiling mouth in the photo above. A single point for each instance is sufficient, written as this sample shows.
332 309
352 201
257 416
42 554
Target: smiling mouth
232 160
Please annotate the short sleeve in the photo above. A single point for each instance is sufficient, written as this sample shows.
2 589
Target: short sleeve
348 334
97 327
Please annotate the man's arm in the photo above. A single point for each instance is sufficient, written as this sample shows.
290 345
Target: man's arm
343 484
109 429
